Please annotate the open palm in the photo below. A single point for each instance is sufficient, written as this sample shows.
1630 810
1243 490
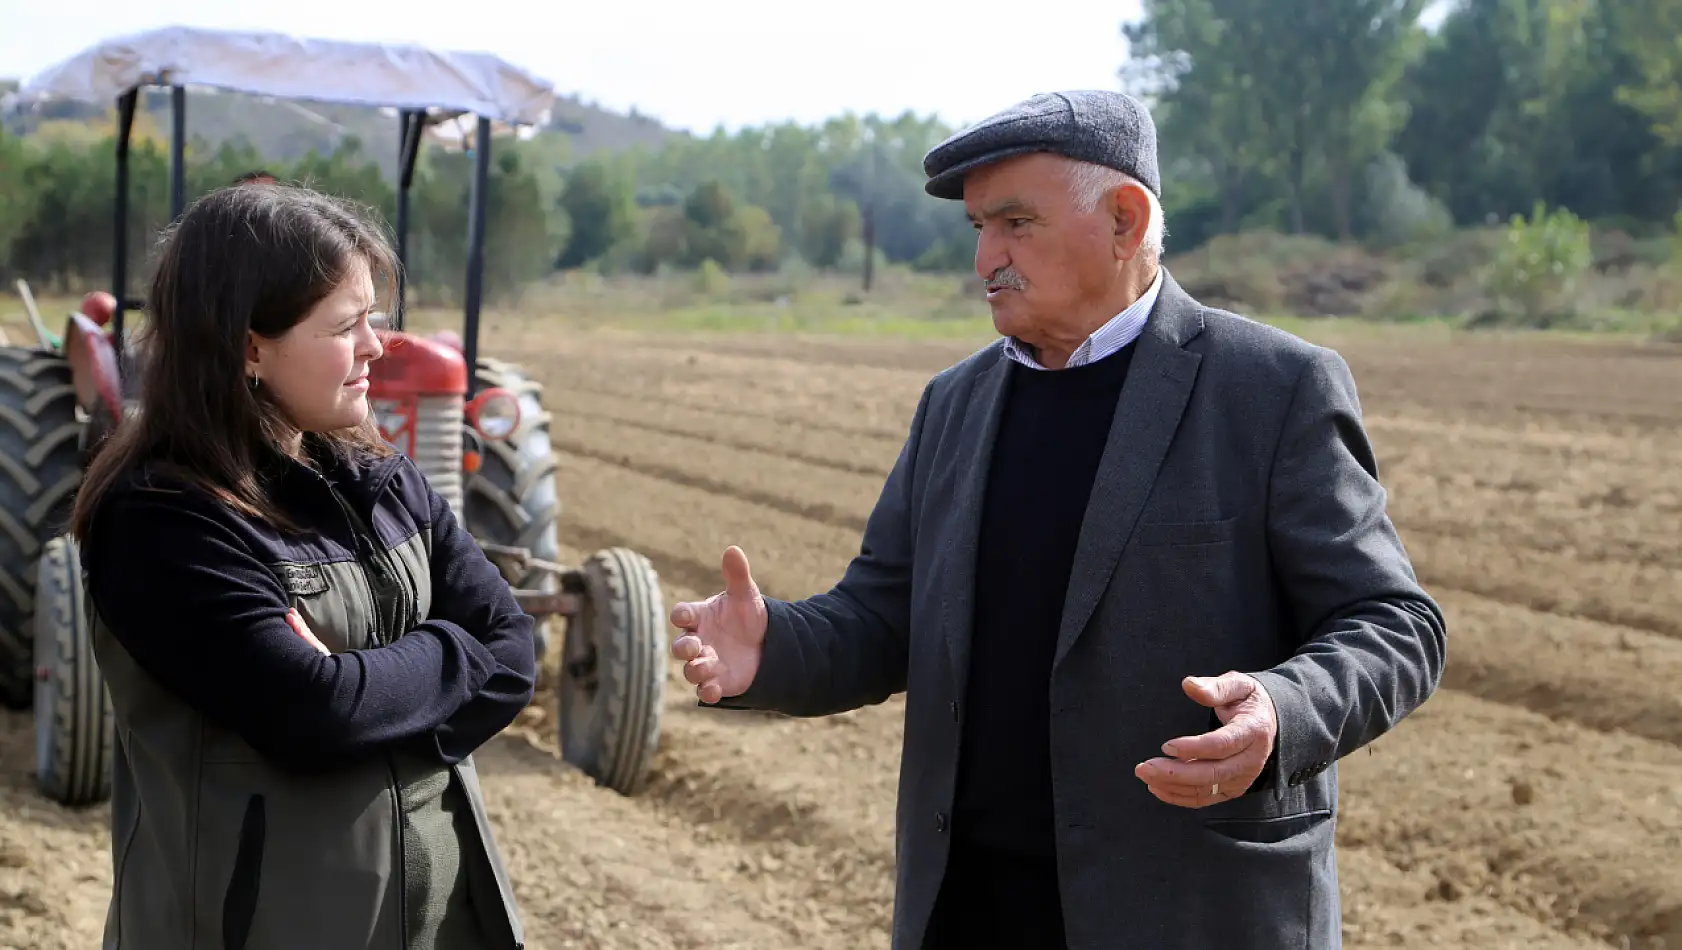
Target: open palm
724 635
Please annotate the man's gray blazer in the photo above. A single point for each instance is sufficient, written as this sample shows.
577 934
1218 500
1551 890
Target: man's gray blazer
1236 523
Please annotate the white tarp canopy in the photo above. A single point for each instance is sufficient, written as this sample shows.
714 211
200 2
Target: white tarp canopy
289 67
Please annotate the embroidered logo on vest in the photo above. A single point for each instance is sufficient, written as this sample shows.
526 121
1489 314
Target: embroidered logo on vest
304 580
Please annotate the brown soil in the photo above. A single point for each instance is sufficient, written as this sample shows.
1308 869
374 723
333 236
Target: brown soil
1535 802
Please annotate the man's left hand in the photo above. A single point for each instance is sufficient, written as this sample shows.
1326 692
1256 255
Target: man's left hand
1220 765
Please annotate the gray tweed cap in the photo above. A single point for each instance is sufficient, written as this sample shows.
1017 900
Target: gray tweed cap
1106 128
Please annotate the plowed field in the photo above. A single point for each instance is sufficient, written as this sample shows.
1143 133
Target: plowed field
1535 802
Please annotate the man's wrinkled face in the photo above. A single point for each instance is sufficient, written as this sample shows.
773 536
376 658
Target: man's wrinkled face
1047 263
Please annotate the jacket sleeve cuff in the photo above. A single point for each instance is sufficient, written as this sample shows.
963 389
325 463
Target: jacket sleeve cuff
777 685
1297 755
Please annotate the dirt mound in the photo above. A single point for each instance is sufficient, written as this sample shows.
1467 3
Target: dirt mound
1270 273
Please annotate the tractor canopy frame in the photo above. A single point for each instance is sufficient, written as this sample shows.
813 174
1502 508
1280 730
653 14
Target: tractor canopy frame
611 679
425 86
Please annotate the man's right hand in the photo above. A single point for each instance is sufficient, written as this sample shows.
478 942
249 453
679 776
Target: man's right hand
724 635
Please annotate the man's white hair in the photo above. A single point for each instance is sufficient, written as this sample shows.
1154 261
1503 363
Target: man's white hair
1091 182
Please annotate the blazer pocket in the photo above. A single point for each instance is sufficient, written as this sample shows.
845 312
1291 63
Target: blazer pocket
1271 830
1168 534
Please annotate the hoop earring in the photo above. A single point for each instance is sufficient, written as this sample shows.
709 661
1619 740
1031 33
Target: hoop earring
254 381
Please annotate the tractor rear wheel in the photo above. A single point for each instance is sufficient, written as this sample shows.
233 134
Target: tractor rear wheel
73 723
40 467
613 671
511 500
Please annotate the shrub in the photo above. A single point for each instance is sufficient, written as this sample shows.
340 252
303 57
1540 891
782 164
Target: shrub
1539 265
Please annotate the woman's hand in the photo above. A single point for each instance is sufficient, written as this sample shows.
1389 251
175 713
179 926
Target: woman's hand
296 621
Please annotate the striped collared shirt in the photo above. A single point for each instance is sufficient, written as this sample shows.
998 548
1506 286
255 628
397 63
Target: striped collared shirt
1122 329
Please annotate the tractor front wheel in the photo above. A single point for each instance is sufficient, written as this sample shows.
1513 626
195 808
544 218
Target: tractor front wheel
511 499
73 728
613 671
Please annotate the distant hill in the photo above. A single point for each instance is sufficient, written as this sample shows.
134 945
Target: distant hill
594 128
286 130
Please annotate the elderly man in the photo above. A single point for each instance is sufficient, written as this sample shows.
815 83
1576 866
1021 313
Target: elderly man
1132 570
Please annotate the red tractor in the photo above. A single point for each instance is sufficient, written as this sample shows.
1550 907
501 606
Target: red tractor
481 436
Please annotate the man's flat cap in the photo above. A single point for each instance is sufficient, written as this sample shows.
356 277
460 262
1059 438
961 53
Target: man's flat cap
1105 128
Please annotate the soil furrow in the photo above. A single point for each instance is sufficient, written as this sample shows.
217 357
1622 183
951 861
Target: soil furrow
55 863
1640 595
765 446
857 455
1457 443
619 396
1646 597
790 557
868 399
1550 819
678 568
761 782
1523 416
1501 908
1595 675
1593 544
1386 906
635 457
594 869
836 354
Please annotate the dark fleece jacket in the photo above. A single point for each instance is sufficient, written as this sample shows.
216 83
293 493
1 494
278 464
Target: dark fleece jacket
198 595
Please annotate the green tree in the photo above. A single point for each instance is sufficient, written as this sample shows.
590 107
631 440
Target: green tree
1181 57
599 202
521 240
1361 48
17 200
1650 31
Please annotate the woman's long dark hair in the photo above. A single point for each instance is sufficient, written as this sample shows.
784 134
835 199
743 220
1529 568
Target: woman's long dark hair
253 257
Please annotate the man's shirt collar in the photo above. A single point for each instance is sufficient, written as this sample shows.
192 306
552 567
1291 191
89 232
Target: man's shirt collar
1108 339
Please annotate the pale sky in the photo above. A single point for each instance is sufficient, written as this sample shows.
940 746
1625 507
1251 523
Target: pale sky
690 63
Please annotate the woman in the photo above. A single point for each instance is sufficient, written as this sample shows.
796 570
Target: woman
302 644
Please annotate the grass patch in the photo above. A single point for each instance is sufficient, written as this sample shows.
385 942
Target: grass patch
1316 290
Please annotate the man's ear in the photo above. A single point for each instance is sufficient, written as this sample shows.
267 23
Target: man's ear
1130 215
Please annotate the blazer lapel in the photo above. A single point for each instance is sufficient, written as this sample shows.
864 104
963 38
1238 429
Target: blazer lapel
1158 386
980 428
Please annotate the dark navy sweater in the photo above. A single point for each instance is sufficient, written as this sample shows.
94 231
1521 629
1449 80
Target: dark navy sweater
1001 884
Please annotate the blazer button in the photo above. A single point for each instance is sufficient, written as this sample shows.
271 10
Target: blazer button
940 822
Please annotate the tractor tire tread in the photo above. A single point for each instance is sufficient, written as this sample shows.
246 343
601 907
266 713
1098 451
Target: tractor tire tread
626 605
79 711
40 443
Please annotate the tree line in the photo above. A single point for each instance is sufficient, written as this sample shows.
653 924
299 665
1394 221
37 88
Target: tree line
1347 119
752 201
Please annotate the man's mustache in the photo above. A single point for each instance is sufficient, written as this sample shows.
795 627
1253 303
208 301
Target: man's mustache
1007 278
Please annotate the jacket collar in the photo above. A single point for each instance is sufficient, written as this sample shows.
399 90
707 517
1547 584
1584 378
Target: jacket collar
361 477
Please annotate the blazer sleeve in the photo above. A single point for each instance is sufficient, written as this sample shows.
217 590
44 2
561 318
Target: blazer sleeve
182 592
848 647
469 592
1373 643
